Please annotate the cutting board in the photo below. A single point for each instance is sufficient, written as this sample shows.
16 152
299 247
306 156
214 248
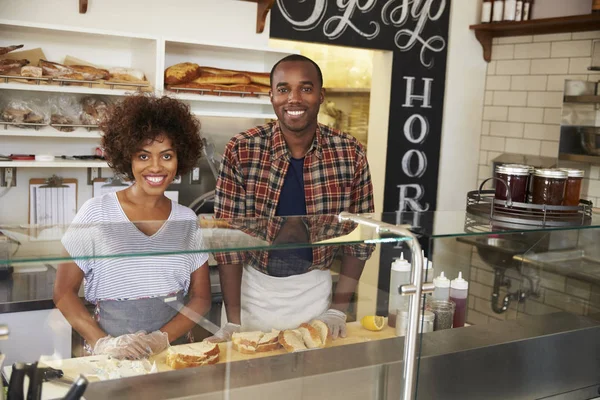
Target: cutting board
355 334
74 366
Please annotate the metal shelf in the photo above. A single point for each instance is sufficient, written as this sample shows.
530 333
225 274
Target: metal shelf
54 164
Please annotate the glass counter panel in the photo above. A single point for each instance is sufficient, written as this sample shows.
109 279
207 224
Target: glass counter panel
35 243
531 290
40 332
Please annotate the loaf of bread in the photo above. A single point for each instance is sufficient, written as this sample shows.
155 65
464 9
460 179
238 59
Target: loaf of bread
198 354
30 71
126 74
181 73
90 73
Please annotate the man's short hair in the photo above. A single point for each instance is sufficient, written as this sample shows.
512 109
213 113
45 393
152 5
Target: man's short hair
297 57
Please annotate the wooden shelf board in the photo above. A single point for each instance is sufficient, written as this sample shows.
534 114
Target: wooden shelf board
578 23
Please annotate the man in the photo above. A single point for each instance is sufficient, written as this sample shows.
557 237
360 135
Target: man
294 166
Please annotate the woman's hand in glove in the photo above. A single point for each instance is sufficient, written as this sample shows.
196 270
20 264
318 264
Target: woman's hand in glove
126 346
335 321
224 334
154 342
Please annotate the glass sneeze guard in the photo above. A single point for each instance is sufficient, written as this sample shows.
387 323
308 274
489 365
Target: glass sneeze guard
38 244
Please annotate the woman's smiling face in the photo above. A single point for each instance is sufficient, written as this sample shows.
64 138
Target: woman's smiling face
154 166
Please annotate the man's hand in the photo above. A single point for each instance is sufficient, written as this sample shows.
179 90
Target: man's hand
335 321
224 334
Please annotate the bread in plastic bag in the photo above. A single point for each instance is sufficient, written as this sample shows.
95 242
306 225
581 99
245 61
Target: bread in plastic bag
25 111
64 110
94 110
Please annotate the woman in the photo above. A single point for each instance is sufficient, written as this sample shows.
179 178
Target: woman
151 141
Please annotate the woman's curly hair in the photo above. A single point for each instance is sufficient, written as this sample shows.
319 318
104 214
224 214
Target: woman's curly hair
141 118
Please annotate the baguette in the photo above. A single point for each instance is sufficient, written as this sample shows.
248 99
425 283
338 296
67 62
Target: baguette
252 89
90 73
222 79
261 78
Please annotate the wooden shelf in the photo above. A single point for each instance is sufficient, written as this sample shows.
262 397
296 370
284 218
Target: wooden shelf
67 89
262 10
578 23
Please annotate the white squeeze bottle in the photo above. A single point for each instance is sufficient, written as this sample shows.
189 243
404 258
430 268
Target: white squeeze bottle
399 275
458 294
442 288
427 269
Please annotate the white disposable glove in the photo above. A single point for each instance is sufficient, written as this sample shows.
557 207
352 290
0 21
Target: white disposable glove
224 334
154 342
126 346
335 321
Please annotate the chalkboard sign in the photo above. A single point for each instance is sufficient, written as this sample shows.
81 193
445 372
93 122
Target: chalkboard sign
416 31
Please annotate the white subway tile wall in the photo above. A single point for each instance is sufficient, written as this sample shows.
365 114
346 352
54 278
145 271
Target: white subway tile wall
524 95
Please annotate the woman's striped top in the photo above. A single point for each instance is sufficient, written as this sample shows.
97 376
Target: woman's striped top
101 240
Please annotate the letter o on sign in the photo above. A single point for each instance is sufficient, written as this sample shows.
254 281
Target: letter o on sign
421 163
409 133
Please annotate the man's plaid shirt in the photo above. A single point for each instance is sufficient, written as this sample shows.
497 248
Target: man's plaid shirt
336 179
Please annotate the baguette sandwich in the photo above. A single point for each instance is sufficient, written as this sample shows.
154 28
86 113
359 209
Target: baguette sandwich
269 342
291 340
188 356
246 342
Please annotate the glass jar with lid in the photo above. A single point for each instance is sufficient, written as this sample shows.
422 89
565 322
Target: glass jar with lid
573 186
549 186
516 177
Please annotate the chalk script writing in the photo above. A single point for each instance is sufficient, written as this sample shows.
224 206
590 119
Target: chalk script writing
394 12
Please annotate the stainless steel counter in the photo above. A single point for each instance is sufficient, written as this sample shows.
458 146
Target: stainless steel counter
530 358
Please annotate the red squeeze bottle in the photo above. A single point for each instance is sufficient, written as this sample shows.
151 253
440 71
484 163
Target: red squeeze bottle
459 289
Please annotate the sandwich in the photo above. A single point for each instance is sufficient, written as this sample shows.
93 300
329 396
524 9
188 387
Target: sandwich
291 340
269 342
310 336
188 356
322 328
246 342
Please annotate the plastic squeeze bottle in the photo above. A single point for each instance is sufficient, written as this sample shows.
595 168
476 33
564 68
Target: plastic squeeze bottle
400 275
458 294
442 288
427 269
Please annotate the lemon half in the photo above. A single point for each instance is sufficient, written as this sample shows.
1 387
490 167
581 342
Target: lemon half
373 322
